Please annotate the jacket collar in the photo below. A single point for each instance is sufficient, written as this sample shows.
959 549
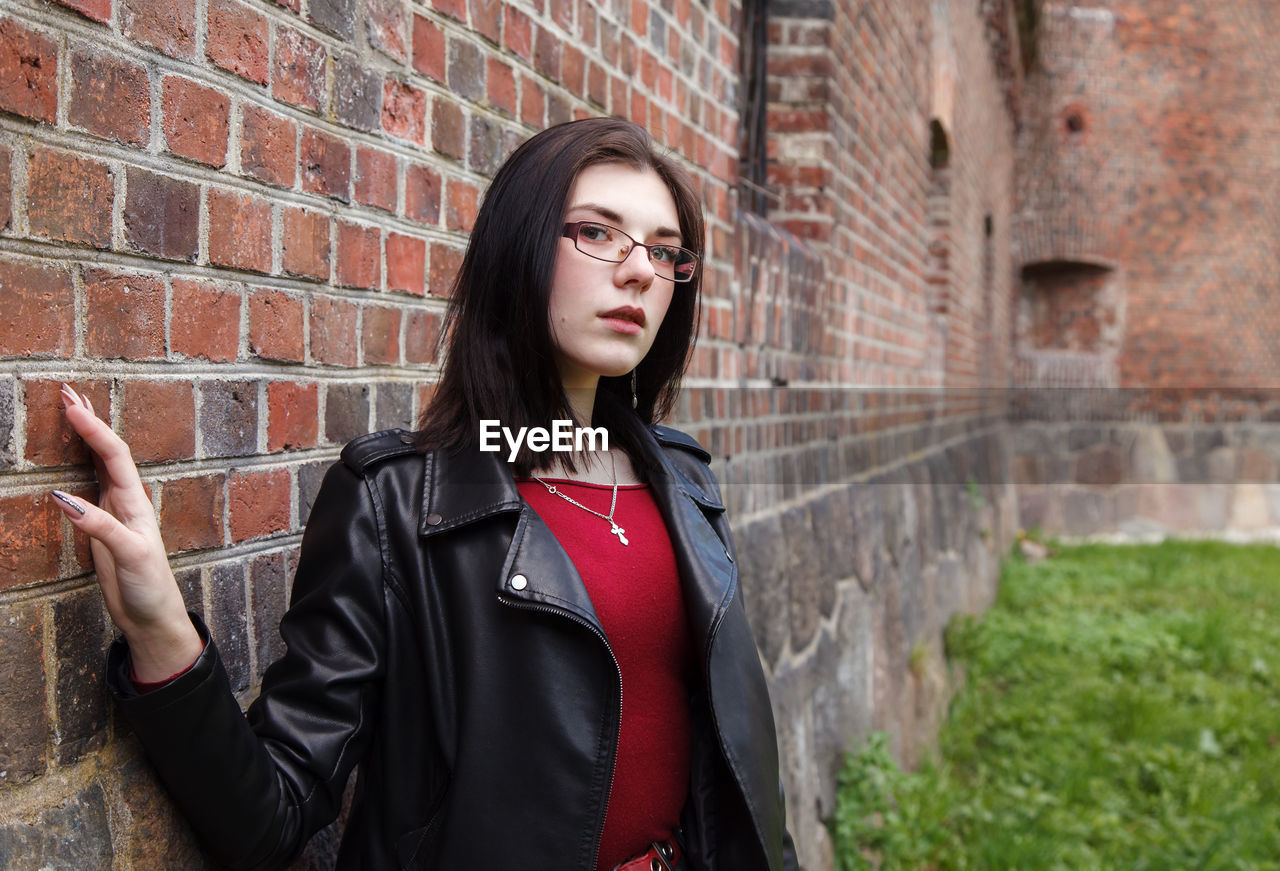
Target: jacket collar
466 487
459 488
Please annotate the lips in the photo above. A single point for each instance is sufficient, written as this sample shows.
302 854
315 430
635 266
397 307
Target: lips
626 313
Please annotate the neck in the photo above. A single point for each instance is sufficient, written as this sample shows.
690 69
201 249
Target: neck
582 401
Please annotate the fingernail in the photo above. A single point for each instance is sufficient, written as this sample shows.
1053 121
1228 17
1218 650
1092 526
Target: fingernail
68 395
87 403
68 501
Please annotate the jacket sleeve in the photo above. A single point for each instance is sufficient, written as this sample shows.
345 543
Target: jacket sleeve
256 788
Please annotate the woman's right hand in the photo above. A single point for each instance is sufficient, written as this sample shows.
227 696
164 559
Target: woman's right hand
129 557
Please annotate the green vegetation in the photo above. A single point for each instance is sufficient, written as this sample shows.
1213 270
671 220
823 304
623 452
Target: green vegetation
1121 711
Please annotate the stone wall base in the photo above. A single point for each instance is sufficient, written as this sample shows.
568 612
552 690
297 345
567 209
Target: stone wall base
1149 480
849 592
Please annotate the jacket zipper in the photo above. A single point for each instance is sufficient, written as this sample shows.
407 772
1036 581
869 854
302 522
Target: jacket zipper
520 604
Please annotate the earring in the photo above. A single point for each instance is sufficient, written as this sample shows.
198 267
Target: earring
634 399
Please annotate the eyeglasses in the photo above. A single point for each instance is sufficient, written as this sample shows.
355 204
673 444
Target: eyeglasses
612 245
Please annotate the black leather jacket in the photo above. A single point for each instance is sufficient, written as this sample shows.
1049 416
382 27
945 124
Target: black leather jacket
483 714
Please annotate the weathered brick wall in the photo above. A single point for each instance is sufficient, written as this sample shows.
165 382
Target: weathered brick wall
1148 239
233 223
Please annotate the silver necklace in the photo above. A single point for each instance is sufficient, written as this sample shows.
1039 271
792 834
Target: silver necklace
613 502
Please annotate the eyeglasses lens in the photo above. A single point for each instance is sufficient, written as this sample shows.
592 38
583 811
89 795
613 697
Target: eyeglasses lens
609 243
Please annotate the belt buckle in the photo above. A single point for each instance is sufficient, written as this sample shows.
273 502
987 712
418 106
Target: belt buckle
663 853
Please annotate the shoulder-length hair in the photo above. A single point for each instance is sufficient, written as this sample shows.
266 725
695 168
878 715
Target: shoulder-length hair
500 357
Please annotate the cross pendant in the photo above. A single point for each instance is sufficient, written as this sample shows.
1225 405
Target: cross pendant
618 530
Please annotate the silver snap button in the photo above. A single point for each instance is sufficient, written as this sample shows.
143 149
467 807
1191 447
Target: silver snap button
519 582
434 519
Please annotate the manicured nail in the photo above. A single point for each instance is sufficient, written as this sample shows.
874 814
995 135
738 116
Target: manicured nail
68 395
68 501
87 403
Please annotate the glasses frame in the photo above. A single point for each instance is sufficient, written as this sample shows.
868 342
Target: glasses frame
572 229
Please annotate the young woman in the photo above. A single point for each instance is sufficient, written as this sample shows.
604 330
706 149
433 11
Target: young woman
540 663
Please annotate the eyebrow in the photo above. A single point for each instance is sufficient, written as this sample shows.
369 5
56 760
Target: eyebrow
610 215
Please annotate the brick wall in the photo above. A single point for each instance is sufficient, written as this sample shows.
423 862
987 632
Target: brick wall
1148 236
233 224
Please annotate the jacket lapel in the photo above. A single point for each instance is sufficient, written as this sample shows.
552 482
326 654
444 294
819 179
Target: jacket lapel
460 489
707 572
463 488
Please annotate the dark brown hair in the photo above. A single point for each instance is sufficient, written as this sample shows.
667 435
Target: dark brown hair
500 356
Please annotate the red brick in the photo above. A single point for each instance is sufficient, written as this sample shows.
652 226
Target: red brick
326 164
191 512
69 198
205 322
293 415
359 256
238 40
502 86
376 178
162 215
444 268
422 337
28 72
30 540
380 334
422 194
463 205
239 230
268 146
196 120
597 85
428 48
259 503
6 190
386 27
276 326
562 14
573 66
159 420
38 316
448 129
486 19
406 263
299 69
305 243
533 100
456 9
124 315
404 110
96 10
546 52
519 32
333 331
110 97
169 25
50 439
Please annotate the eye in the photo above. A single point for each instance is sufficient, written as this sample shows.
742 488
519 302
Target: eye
595 233
664 253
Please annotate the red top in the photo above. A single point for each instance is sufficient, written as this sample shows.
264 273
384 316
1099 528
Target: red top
636 593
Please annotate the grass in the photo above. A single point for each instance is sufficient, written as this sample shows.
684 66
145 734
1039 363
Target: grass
1121 711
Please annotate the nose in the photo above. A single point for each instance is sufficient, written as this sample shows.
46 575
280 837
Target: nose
636 267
